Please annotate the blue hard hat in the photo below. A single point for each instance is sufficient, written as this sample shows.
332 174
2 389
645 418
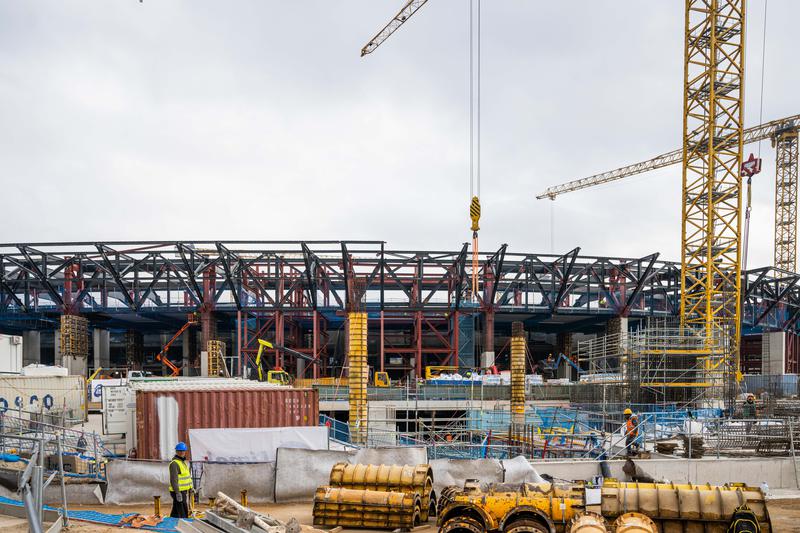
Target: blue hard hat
180 447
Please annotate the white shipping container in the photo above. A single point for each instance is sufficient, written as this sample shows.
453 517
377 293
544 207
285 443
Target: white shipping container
10 354
49 394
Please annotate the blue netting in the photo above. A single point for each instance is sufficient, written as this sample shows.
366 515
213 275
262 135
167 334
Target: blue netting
167 525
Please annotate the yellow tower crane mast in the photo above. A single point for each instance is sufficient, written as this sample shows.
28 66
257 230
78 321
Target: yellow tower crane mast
711 156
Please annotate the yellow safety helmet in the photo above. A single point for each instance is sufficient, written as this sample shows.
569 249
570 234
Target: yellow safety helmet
627 412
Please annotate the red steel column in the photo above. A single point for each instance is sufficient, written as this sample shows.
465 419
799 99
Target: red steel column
239 341
488 338
279 338
315 344
418 335
381 344
454 360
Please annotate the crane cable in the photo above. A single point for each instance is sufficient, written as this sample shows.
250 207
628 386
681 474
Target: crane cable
748 208
474 133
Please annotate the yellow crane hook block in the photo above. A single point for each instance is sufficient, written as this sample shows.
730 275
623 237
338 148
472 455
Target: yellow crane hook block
475 212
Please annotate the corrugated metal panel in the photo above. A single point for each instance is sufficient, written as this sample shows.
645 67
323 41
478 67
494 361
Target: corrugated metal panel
203 384
164 417
51 393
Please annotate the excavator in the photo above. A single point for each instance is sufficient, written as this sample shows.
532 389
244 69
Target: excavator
161 357
278 376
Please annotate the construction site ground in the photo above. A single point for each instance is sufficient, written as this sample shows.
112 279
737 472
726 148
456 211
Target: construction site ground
784 510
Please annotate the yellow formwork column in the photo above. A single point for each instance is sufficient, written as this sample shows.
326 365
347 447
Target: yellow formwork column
358 376
517 373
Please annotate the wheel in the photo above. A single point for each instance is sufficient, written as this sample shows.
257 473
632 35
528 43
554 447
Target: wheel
525 525
462 525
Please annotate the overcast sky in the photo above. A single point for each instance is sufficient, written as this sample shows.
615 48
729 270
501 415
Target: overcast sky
256 119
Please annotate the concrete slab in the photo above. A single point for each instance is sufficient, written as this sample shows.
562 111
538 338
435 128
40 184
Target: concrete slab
298 472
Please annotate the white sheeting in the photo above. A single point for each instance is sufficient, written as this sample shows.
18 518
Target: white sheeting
253 445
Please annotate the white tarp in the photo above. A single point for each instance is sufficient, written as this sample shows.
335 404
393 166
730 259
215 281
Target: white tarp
253 445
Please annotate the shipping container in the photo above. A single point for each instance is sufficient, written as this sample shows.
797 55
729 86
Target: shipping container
48 394
165 411
10 354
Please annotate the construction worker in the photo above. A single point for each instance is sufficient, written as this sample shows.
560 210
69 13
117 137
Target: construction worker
749 407
631 430
180 483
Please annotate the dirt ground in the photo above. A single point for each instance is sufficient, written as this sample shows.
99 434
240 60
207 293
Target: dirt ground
785 516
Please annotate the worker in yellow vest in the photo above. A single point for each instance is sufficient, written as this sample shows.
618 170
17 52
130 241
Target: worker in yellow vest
180 483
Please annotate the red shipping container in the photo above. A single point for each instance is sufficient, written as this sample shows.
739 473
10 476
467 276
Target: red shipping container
158 412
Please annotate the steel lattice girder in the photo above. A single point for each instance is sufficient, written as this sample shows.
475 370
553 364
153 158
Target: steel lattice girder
712 145
146 277
786 154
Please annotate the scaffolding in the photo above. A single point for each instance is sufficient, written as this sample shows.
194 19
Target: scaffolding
660 364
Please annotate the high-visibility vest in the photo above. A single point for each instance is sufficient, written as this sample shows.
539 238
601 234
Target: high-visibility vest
184 476
630 426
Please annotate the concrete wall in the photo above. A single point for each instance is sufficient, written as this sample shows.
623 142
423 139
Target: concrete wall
777 472
773 353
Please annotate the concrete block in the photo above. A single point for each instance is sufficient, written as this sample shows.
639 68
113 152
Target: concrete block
258 479
136 482
299 472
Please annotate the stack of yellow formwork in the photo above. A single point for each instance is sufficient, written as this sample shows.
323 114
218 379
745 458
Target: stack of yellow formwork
517 373
358 376
337 506
216 351
389 478
74 336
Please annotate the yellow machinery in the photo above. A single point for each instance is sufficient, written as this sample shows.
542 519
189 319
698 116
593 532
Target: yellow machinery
632 507
386 478
277 376
381 379
337 506
433 372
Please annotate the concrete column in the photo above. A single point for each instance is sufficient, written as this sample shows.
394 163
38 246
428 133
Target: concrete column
773 353
31 348
487 357
102 348
617 325
564 345
186 343
58 358
301 367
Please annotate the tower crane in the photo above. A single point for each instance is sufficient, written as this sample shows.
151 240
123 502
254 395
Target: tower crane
398 20
784 136
711 157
